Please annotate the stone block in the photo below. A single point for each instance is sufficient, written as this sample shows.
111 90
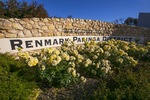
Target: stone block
41 31
9 35
51 27
36 26
45 20
2 19
11 19
20 34
26 19
2 35
44 35
22 22
48 24
28 26
36 34
27 33
41 23
14 31
17 26
57 19
1 23
46 31
35 19
44 28
50 34
31 22
34 31
7 24
57 34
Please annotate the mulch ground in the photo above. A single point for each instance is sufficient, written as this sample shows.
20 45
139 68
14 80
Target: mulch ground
73 92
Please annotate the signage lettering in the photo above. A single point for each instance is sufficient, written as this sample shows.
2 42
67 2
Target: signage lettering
128 39
38 43
15 43
48 42
11 44
29 44
65 30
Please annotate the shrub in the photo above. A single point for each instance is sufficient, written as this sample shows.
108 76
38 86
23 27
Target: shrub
72 63
9 63
146 57
12 87
129 84
51 67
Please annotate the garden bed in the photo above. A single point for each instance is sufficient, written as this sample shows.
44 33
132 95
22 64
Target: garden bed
106 70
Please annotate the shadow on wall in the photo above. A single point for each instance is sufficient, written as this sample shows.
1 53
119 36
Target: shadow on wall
135 31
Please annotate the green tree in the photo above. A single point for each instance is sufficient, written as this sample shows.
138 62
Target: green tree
70 16
15 9
2 5
131 21
119 21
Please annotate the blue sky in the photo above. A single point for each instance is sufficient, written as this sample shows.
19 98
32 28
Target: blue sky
104 10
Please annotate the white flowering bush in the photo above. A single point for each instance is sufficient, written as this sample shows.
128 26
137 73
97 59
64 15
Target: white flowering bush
72 63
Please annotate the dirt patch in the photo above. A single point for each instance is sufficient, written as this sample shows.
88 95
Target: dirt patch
73 92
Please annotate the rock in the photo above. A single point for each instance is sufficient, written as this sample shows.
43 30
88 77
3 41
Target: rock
35 19
57 34
54 22
1 35
27 33
44 35
1 23
40 31
9 35
36 35
7 24
16 19
28 26
26 19
21 35
46 31
41 24
51 27
48 24
31 22
69 26
45 20
75 24
59 26
22 22
3 31
50 21
60 30
34 31
2 19
36 26
50 34
44 28
17 26
11 19
12 31
57 19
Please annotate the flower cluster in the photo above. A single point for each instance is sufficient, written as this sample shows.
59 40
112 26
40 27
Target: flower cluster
91 58
31 61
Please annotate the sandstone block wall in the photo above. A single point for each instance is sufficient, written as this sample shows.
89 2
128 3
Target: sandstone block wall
43 27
